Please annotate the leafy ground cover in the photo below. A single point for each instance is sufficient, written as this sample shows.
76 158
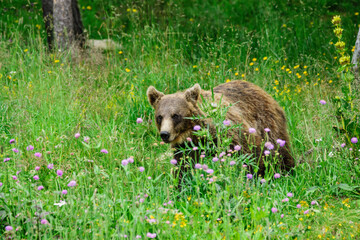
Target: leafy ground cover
80 153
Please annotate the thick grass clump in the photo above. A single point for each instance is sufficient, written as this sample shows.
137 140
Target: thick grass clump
81 156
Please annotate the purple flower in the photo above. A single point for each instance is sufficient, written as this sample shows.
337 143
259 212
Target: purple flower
267 129
197 128
15 150
298 206
244 166
215 159
322 102
202 156
138 237
77 135
195 148
267 152
173 161
151 235
44 221
252 130
232 163
141 200
222 154
269 145
50 166
313 202
40 188
139 120
290 194
37 168
1 184
205 167
237 148
210 171
30 148
86 139
36 177
354 140
64 192
306 212
281 142
263 180
197 166
285 200
249 176
226 122
343 145
282 216
104 151
141 169
14 177
12 141
149 178
37 154
72 183
130 159
124 162
8 228
6 159
274 210
277 175
59 172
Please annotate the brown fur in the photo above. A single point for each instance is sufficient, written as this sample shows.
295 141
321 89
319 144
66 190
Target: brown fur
251 106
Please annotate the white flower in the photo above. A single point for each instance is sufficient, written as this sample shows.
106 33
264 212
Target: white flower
60 203
331 154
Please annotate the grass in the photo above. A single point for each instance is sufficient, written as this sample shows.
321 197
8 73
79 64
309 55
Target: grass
46 98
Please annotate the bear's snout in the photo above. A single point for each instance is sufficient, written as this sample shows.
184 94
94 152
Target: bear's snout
165 136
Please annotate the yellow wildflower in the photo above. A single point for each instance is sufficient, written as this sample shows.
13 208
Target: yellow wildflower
336 20
284 25
265 58
338 31
88 7
236 74
120 52
254 59
356 13
344 60
340 45
26 50
194 66
134 10
251 64
127 70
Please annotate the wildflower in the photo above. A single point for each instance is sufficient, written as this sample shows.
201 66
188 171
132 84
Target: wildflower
269 145
64 192
8 228
306 212
130 159
188 139
6 159
244 166
195 148
277 175
232 163
149 178
249 176
281 142
344 60
266 152
1 184
205 167
237 148
215 159
30 148
282 216
40 188
12 141
18 172
127 70
141 169
124 162
138 237
226 122
254 59
336 20
289 194
173 161
197 128
72 183
139 120
61 203
285 200
263 180
86 139
298 206
198 166
36 177
59 172
338 31
15 150
104 151
210 171
50 166
313 202
267 129
354 140
38 155
252 130
343 145
322 102
14 177
151 235
340 45
221 154
265 58
202 156
44 221
274 210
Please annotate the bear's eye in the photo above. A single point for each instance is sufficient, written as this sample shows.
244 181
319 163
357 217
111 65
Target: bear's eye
159 119
176 117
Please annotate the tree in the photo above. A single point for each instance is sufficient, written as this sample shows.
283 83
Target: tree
63 23
356 55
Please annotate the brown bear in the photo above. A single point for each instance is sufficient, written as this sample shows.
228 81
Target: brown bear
249 105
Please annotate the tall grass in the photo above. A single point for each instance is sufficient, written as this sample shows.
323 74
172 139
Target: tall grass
46 98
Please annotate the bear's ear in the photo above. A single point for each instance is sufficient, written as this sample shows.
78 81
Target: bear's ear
193 94
153 95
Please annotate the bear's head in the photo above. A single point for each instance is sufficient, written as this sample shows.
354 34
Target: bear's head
173 113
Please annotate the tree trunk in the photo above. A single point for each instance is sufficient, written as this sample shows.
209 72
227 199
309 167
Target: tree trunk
356 55
62 18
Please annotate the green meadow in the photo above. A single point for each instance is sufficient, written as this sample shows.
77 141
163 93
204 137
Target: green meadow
77 162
